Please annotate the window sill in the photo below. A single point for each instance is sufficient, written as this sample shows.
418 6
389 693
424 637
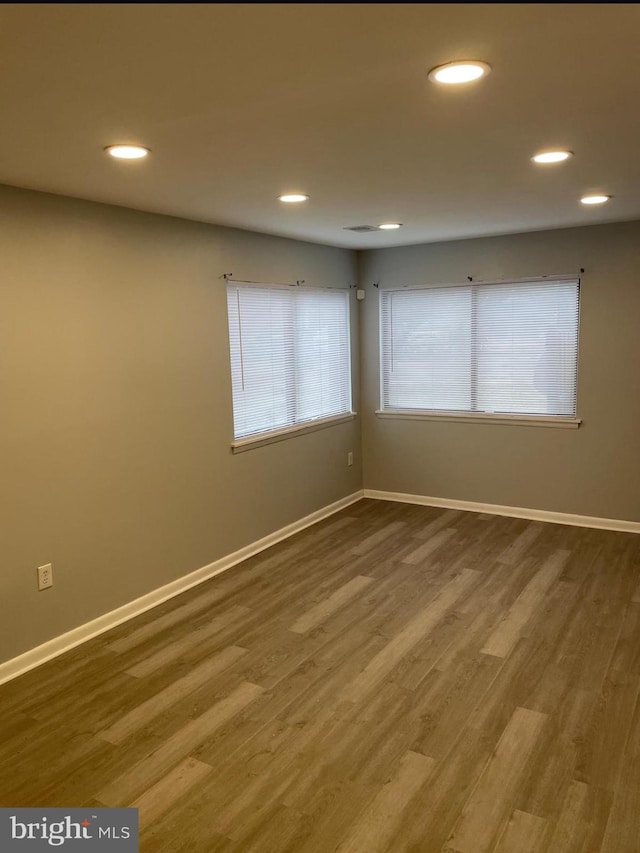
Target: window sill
264 438
482 418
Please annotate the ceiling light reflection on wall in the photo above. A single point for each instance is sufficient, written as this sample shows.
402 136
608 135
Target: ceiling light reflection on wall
127 152
293 198
462 71
552 156
595 199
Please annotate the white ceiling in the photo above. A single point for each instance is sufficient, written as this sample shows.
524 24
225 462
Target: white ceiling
240 102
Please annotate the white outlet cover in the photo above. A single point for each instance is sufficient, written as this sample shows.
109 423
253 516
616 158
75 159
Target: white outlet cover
45 576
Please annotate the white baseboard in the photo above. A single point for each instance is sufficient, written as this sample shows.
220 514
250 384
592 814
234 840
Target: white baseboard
512 511
58 645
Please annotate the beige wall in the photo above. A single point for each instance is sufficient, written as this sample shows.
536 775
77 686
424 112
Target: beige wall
590 471
116 414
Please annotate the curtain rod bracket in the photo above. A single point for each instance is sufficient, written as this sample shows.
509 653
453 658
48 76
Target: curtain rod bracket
227 275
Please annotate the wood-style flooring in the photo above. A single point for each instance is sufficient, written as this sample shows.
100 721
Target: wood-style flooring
395 678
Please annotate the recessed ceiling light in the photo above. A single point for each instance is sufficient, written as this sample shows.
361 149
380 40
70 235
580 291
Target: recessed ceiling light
552 156
595 199
293 198
390 226
463 71
127 152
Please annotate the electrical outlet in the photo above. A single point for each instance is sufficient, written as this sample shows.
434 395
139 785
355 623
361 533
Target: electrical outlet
45 576
350 458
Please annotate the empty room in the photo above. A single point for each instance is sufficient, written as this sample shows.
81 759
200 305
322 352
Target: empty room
320 445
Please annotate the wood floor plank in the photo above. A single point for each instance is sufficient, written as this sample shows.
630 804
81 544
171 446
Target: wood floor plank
418 627
147 771
447 702
326 608
379 823
490 803
190 640
160 797
374 539
331 808
626 655
521 544
429 823
525 833
506 635
448 518
258 778
600 754
571 829
622 833
552 769
421 553
371 760
176 615
140 716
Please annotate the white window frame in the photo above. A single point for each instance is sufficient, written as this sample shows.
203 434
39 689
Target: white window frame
500 418
265 437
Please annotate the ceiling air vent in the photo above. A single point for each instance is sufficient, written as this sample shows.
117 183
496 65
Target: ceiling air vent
361 228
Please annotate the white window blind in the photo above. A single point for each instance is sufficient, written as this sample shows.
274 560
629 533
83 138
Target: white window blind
290 356
507 348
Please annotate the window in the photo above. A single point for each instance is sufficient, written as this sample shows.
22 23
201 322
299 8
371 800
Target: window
508 348
290 356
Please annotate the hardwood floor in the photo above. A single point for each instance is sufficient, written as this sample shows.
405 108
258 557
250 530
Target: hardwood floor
395 678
